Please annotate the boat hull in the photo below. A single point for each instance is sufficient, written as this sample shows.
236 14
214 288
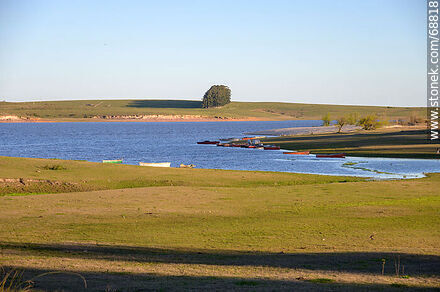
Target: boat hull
208 142
160 164
272 148
112 161
298 153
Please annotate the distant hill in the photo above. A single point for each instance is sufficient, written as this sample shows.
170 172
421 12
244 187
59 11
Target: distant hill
81 109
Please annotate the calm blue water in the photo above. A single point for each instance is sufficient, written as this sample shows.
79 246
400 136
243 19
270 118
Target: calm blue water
176 143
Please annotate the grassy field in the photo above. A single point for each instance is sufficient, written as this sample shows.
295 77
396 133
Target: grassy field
80 109
128 228
406 143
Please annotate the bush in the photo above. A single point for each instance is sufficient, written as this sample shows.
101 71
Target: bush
326 120
414 120
54 167
371 122
353 119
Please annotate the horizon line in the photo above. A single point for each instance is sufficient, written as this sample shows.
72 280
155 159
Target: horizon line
118 98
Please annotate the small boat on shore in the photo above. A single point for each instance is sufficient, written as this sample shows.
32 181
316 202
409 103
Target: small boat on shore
209 142
229 139
187 165
253 138
112 161
334 155
159 164
272 147
298 153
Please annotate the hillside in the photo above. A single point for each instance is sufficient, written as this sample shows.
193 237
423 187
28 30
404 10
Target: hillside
85 109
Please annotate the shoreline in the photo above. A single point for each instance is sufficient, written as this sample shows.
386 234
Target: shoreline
97 120
365 177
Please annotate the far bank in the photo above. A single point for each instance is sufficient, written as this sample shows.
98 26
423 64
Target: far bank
80 110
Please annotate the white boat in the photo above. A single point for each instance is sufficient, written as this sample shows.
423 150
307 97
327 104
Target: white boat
160 164
187 165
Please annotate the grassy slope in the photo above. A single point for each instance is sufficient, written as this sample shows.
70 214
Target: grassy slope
216 229
380 143
266 110
98 176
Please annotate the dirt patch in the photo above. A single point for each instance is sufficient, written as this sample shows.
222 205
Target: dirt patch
25 185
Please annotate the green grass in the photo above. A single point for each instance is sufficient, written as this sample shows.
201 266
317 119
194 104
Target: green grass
80 109
221 209
408 143
87 176
215 229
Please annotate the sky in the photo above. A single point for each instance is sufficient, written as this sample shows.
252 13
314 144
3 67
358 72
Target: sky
370 52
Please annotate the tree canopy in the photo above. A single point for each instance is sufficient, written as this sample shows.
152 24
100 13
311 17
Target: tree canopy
217 95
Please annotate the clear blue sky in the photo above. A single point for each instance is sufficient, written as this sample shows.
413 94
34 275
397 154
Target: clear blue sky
342 52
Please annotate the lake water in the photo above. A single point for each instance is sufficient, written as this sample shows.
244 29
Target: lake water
176 143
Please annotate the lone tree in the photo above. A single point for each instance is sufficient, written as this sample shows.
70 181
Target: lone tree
340 122
217 95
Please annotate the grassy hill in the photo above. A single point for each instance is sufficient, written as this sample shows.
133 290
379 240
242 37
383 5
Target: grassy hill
79 109
127 228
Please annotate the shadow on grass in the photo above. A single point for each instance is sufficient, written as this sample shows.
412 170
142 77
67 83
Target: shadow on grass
165 103
65 280
356 262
